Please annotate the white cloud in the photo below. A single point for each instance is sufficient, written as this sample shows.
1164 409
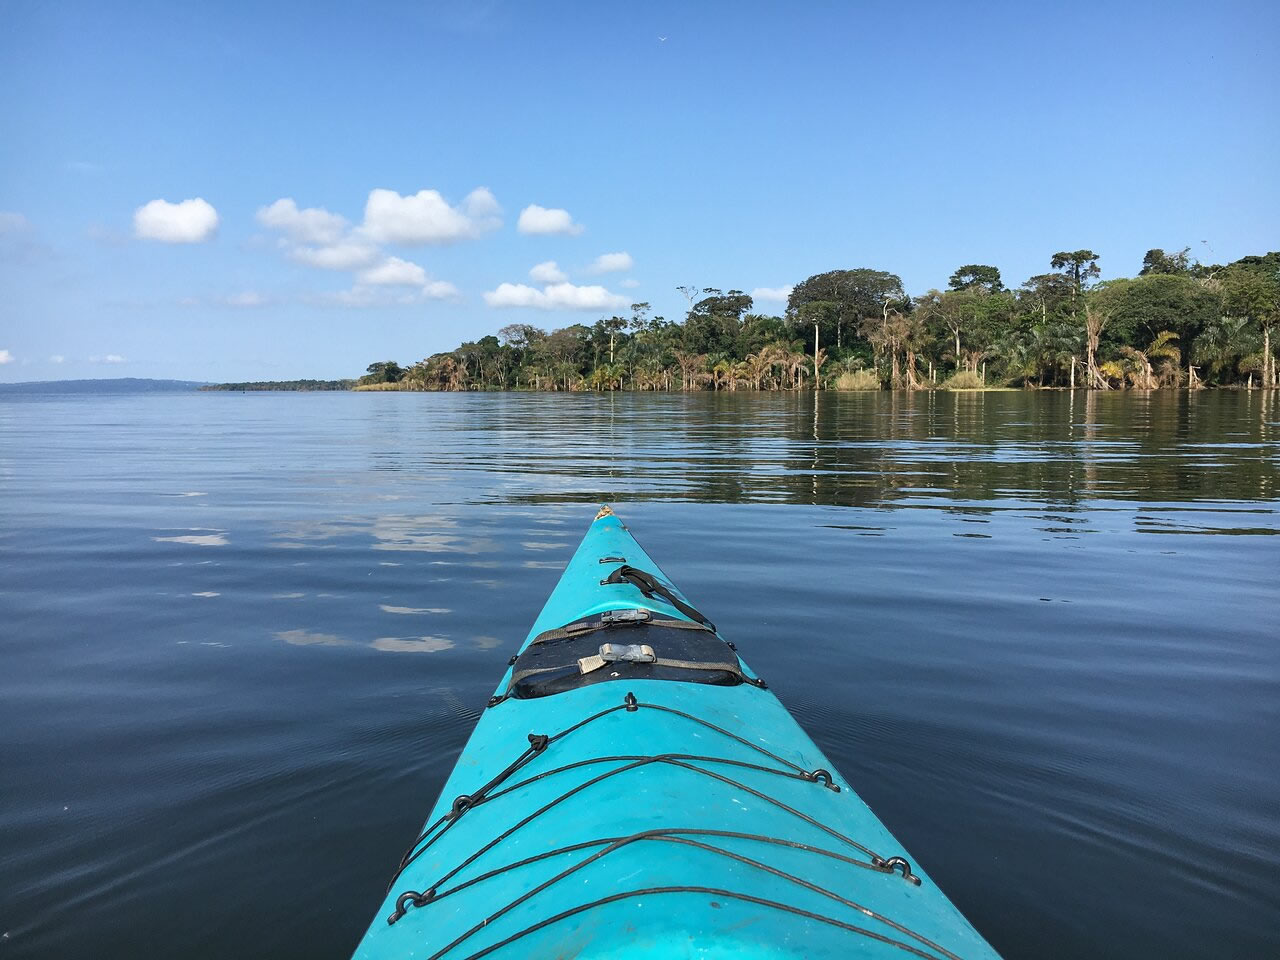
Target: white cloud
109 358
57 358
555 296
5 357
481 205
612 262
345 255
426 217
312 226
440 290
191 221
779 294
248 298
630 283
364 295
317 238
543 220
394 272
548 272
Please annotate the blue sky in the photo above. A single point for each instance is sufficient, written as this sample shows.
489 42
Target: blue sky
359 174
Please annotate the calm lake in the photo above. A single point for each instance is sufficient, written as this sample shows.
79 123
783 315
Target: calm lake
245 637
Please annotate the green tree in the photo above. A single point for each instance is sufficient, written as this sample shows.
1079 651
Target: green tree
1223 345
521 336
388 371
853 295
1255 296
610 327
1142 307
1157 261
1080 265
715 321
976 275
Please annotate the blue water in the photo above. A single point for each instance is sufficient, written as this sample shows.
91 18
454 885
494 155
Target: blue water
245 636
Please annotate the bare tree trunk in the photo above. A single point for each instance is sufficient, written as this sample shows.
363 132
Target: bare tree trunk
912 382
815 357
1267 362
1094 322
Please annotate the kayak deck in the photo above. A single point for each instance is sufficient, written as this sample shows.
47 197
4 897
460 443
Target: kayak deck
639 817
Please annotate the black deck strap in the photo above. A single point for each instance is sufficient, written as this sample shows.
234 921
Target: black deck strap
583 628
651 586
711 665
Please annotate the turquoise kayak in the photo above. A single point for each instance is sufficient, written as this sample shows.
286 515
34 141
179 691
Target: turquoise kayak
633 790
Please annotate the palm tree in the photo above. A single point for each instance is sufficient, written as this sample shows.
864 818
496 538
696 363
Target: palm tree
796 361
1223 345
721 373
1134 366
758 367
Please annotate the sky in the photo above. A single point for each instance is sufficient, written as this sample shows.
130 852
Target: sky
242 191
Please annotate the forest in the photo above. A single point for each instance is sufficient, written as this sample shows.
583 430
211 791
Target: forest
1177 324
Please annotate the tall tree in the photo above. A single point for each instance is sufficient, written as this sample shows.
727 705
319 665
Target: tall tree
976 275
1157 261
1080 265
611 327
715 321
853 295
521 336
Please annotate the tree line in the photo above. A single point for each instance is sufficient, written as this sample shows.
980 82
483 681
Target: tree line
296 385
1177 324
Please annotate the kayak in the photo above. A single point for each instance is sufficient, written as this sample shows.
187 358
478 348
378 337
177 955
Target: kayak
634 790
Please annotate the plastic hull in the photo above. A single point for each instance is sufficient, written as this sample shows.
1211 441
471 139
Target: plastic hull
685 842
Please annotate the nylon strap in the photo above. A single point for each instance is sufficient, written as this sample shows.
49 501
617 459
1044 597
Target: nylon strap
590 627
593 663
651 586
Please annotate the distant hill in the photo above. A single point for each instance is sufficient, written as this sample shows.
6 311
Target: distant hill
115 385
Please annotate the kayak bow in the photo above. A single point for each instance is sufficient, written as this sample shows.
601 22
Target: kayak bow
634 791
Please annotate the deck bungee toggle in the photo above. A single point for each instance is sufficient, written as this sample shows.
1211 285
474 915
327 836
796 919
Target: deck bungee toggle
678 809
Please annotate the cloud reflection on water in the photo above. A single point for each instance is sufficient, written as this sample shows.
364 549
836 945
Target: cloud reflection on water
412 644
216 538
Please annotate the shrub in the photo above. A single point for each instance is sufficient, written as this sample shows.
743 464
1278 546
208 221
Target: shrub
858 380
963 380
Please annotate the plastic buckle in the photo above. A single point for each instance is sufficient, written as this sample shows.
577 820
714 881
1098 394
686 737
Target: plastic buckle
630 652
625 616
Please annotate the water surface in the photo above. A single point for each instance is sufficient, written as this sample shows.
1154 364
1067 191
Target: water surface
246 636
